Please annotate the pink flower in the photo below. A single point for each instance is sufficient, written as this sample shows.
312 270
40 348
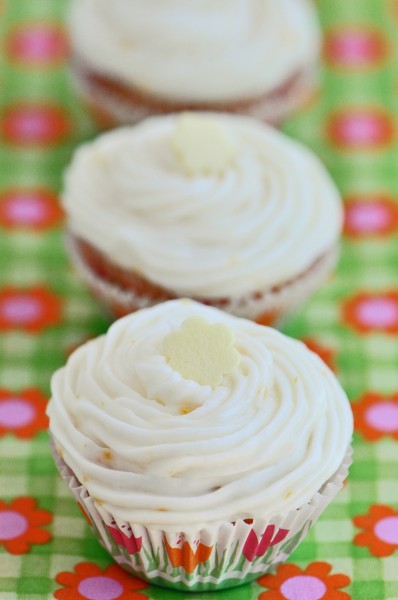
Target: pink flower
375 215
37 44
34 124
34 208
361 128
355 47
32 309
372 312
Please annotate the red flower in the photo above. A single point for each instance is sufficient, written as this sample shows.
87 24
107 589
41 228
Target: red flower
89 582
187 558
22 414
376 416
380 530
30 309
20 525
371 312
374 215
37 44
121 538
254 547
34 208
361 128
313 583
355 47
34 124
325 353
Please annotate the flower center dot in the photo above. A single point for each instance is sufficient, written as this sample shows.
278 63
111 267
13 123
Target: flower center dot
387 530
21 310
100 588
378 312
303 587
12 524
15 413
383 416
369 218
25 209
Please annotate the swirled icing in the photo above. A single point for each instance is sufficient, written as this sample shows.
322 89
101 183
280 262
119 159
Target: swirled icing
197 50
259 444
263 221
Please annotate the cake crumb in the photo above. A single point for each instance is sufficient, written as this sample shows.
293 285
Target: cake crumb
107 454
186 409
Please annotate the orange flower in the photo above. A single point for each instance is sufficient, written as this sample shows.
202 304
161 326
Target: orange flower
185 557
372 312
313 583
376 416
32 208
22 414
31 309
380 530
88 580
325 353
20 525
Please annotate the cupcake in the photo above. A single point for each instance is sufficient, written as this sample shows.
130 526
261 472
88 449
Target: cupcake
216 207
200 446
131 59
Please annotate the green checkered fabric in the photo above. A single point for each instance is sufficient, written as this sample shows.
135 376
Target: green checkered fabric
351 125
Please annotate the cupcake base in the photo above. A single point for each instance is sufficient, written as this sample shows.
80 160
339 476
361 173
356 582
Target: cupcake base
217 556
114 103
122 292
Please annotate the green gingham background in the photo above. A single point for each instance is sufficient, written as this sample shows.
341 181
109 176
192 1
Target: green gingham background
366 361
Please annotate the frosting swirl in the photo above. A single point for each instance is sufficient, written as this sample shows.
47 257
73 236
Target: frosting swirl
197 50
263 221
260 443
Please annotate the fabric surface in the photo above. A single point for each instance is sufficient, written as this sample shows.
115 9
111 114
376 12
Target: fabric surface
46 547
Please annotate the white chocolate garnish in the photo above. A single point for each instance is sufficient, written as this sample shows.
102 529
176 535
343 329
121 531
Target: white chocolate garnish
201 351
202 145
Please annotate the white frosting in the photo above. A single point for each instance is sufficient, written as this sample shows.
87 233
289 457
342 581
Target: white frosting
261 443
199 50
265 220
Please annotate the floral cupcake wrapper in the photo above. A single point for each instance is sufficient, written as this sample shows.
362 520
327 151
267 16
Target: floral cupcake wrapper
268 307
220 556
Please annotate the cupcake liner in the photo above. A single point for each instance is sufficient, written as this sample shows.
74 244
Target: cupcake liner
267 306
273 107
219 556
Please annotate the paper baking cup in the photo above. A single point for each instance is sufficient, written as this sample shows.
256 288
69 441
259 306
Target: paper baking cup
267 307
119 109
219 556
